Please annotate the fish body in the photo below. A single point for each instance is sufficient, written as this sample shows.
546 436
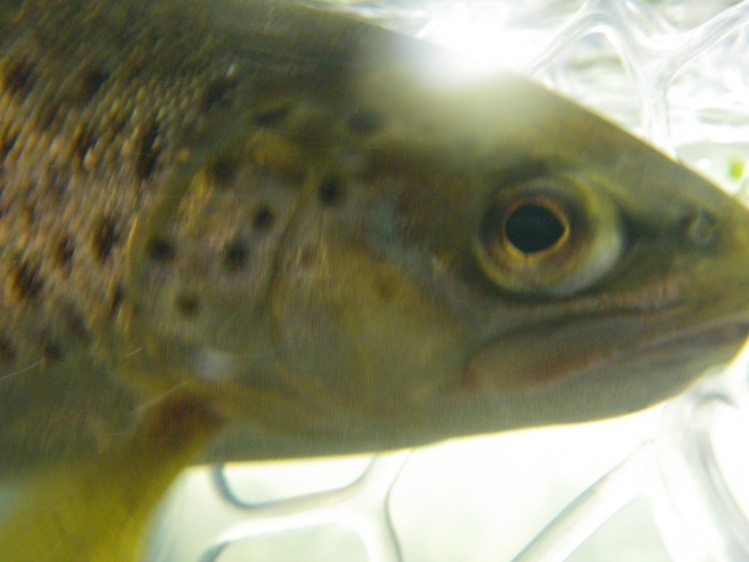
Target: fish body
328 236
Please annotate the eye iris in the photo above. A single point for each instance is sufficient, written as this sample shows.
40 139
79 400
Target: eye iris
533 228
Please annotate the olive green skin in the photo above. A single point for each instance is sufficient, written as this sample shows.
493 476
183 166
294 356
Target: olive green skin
297 222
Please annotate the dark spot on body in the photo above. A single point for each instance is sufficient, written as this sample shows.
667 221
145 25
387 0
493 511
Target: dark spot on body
106 234
235 256
51 351
366 122
118 296
330 192
223 169
187 305
64 252
263 219
160 250
217 93
26 280
7 352
19 78
89 83
272 117
76 325
147 150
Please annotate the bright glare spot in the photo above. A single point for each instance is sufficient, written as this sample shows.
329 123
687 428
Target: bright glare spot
484 38
703 164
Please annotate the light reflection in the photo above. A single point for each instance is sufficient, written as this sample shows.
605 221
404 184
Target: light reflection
485 38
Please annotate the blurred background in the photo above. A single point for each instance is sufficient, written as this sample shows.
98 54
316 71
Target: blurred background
667 484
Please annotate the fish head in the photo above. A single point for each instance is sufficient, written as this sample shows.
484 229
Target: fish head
384 257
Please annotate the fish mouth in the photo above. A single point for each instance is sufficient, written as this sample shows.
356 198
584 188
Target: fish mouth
548 359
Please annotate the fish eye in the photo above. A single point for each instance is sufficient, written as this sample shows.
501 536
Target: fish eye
549 236
534 226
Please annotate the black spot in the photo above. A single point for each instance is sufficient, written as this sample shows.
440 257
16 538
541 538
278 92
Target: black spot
330 192
7 352
51 351
271 118
160 250
366 122
64 253
25 280
223 170
147 150
106 234
82 142
18 78
90 81
263 219
235 256
188 306
76 325
117 297
217 93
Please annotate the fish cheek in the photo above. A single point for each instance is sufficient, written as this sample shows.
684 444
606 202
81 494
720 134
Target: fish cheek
360 336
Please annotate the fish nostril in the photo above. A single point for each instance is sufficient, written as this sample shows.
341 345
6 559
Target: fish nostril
187 305
700 228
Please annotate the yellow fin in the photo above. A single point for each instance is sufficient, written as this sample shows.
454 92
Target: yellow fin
98 510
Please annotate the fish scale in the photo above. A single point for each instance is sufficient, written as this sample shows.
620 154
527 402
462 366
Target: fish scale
63 246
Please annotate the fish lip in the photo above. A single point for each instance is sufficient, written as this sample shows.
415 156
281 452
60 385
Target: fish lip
677 349
721 333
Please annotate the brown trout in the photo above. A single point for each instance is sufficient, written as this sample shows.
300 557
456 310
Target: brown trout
245 229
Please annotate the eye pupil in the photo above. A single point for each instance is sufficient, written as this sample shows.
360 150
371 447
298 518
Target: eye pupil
533 228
